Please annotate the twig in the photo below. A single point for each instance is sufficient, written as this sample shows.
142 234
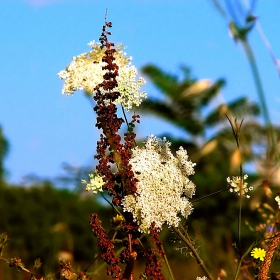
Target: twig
187 242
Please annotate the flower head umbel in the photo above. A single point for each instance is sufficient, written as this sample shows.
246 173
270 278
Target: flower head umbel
86 71
238 185
95 183
258 253
163 188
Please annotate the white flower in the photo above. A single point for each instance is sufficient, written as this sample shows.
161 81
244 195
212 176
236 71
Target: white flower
201 278
85 73
163 188
95 183
238 185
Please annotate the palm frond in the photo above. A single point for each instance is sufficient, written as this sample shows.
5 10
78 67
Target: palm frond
239 108
167 83
180 117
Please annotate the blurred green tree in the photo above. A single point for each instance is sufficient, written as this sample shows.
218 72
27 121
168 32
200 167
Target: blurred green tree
4 148
49 223
188 104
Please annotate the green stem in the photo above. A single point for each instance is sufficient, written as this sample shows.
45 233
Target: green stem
240 199
167 263
241 259
190 246
125 118
126 121
111 204
271 136
193 201
236 128
239 223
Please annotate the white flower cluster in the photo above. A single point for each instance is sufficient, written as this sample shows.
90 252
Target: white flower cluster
163 188
95 183
201 278
237 183
85 73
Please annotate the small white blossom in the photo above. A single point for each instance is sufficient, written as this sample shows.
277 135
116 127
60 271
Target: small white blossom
201 278
95 183
85 73
163 188
238 185
277 198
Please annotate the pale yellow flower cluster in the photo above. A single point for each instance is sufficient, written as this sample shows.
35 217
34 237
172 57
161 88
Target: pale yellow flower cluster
238 185
85 73
95 183
277 198
163 188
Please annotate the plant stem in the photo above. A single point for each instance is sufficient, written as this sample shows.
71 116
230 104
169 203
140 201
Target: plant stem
130 252
270 132
240 199
126 121
236 128
167 263
190 246
241 259
198 199
124 115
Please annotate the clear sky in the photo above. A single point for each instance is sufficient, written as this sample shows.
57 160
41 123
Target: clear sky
40 37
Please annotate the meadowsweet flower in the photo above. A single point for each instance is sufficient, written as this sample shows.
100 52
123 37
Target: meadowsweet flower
258 253
95 183
85 73
163 188
236 183
277 198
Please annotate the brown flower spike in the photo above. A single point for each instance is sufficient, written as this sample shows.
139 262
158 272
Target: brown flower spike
110 150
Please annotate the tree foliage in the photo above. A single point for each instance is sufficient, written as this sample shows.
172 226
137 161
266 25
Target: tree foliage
4 148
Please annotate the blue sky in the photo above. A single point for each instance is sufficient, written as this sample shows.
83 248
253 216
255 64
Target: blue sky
39 38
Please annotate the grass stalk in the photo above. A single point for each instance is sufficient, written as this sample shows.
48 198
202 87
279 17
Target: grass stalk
167 263
268 124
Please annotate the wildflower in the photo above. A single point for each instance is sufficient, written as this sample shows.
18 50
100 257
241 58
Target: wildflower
118 219
236 183
201 278
163 188
95 183
258 253
277 198
86 71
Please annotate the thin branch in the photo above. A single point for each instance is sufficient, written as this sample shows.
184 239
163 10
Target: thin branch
190 246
